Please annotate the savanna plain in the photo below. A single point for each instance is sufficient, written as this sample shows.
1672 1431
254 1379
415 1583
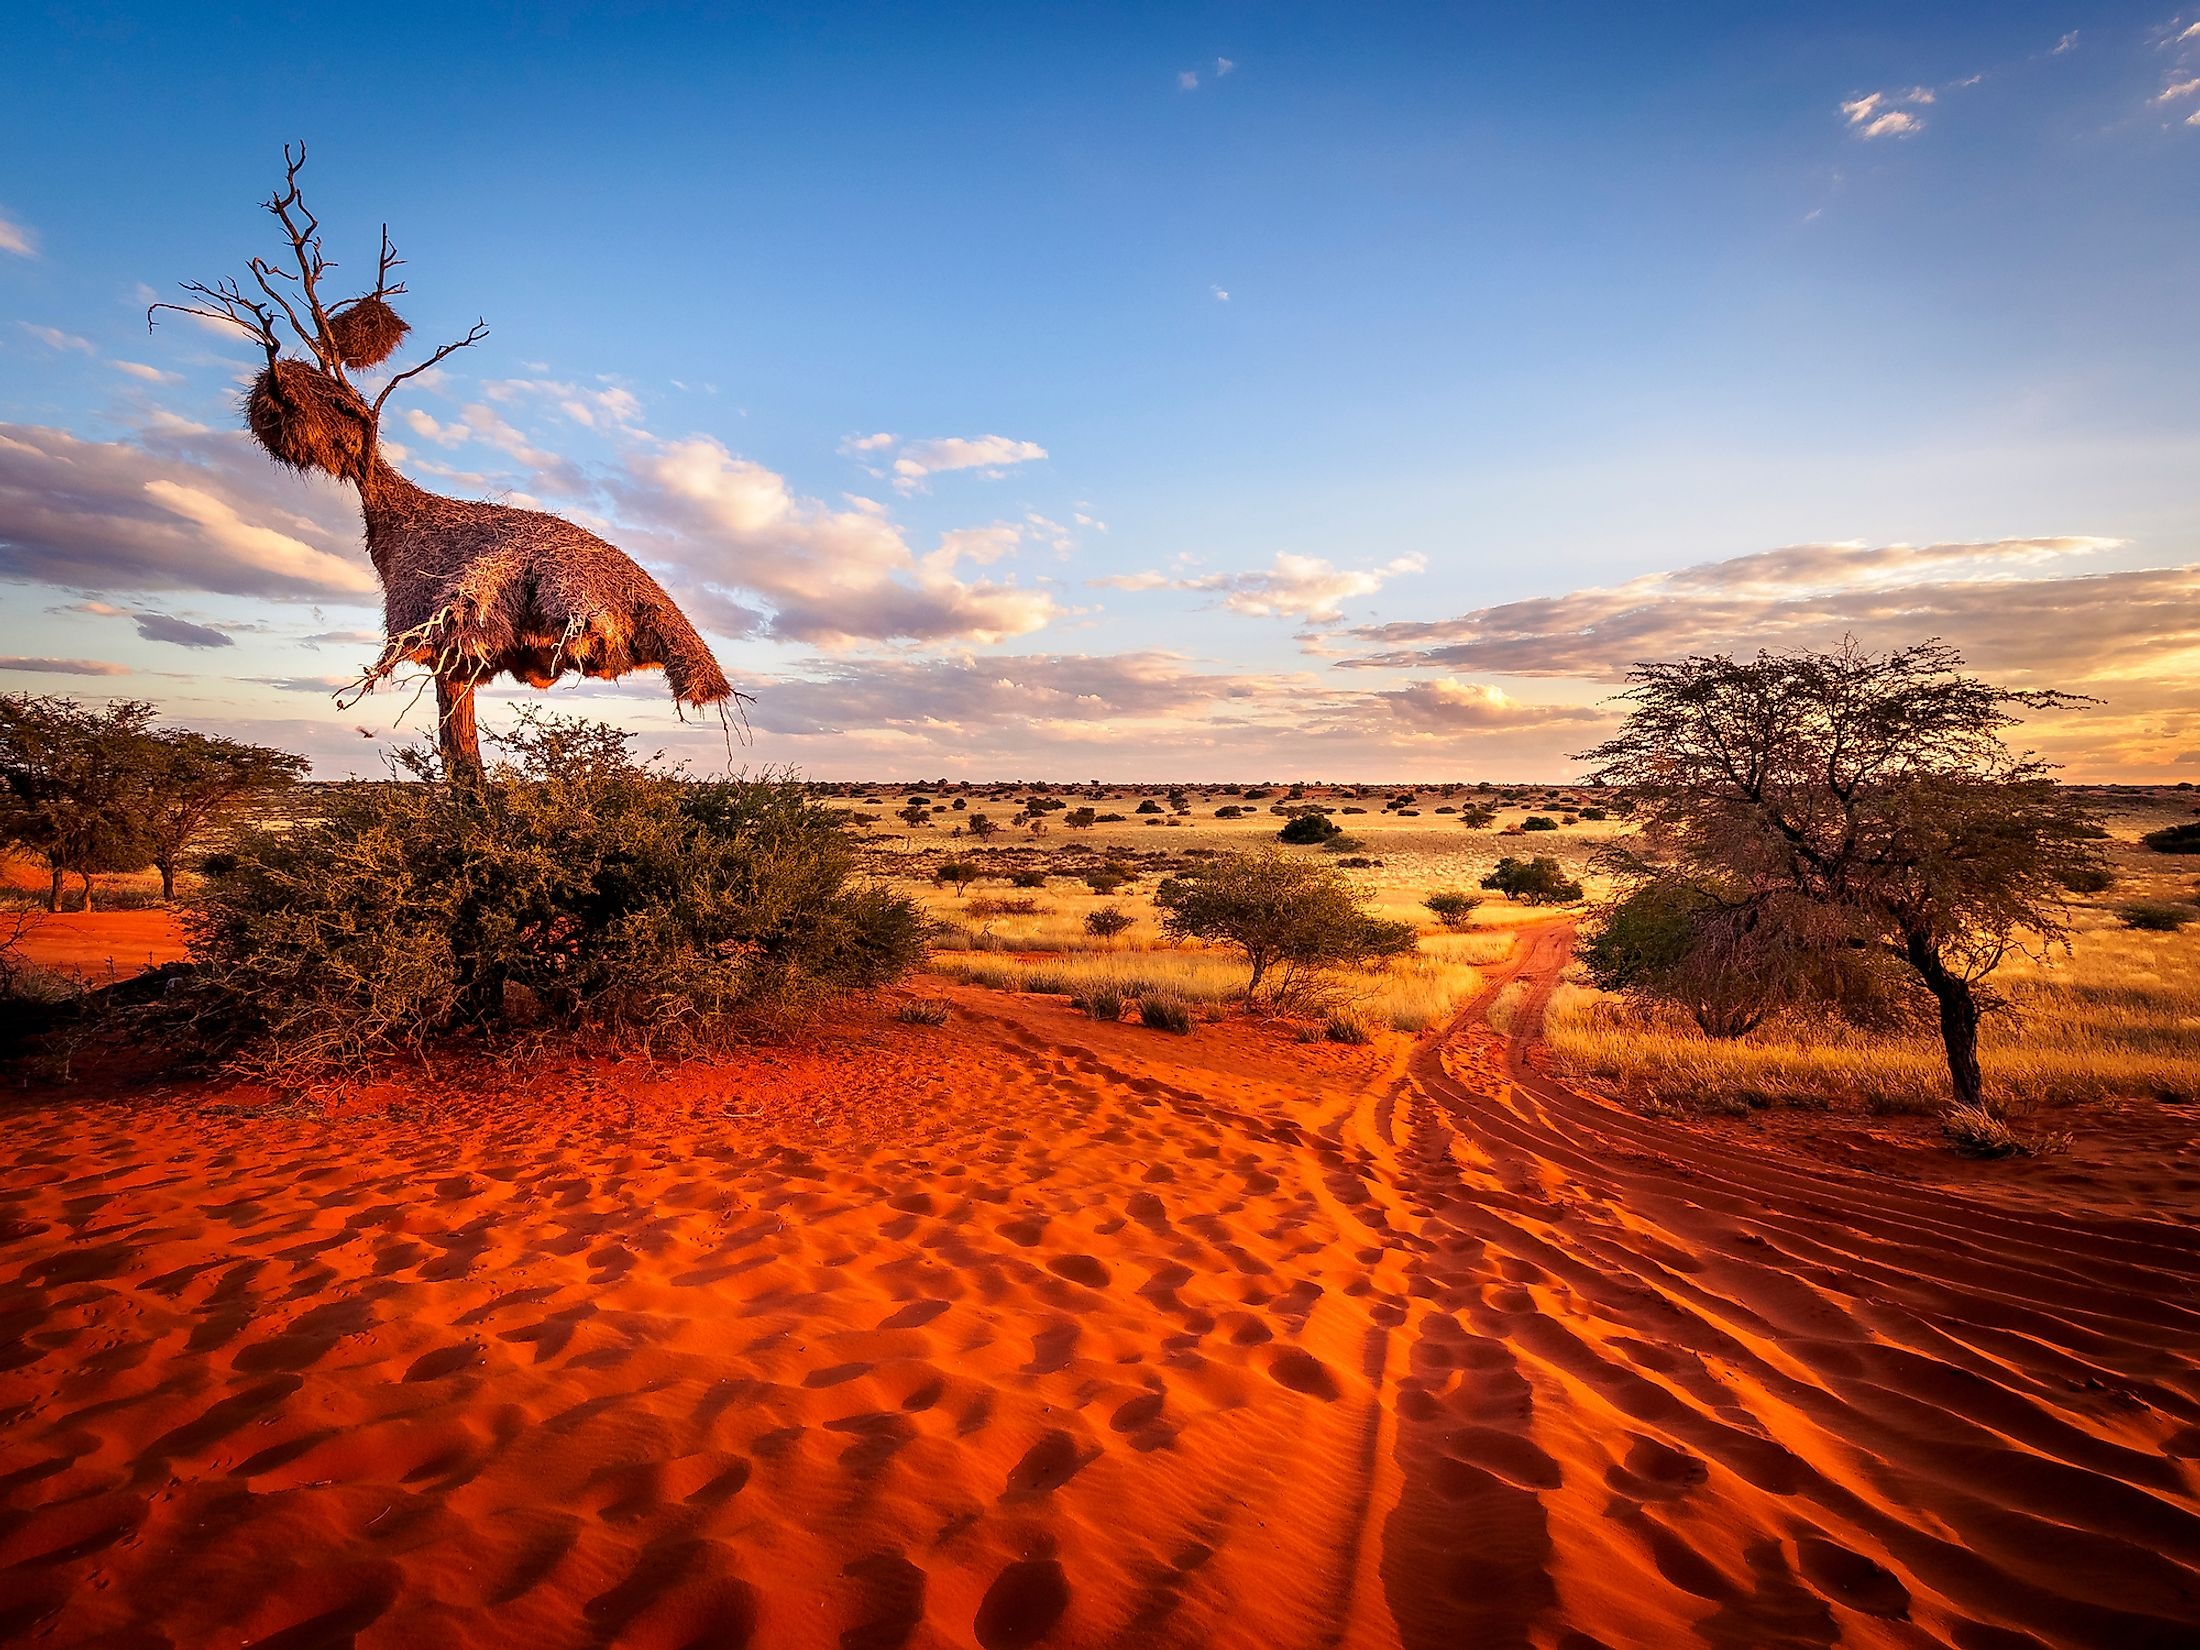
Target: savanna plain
1059 1295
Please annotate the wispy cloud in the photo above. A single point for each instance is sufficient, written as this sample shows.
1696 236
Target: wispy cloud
62 667
1306 588
1888 114
54 338
2067 43
16 237
151 375
1187 80
166 627
991 455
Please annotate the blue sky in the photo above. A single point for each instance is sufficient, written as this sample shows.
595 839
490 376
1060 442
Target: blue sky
1263 390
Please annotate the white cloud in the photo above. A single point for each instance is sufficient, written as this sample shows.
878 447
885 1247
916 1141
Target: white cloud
991 453
1306 588
1880 114
830 577
1223 66
2179 88
55 338
867 443
17 238
152 375
179 510
1187 80
610 406
1221 295
2068 42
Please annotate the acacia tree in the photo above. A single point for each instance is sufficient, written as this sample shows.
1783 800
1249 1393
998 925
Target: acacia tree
198 778
75 786
1854 802
1279 911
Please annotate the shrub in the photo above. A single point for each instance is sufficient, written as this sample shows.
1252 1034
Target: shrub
1539 881
1280 912
1229 810
1002 908
1149 806
1593 813
924 1011
1539 822
1027 879
1301 829
1163 1011
1080 819
1106 1006
1107 922
1344 1026
569 888
2088 879
1477 816
1452 907
1108 879
2157 916
2175 839
957 873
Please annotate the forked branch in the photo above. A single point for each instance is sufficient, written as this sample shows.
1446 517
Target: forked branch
227 302
474 335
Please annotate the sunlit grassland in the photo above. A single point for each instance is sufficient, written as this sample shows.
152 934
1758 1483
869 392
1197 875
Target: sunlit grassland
2117 1016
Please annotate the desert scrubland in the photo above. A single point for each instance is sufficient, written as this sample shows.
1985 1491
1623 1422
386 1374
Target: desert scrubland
1452 1304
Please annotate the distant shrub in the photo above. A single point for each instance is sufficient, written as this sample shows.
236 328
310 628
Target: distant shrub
1229 810
1080 819
1027 879
1593 813
2158 916
1302 829
957 873
570 889
1149 806
1107 922
924 1011
1163 1011
1452 907
1282 912
2175 839
1538 881
1343 843
1003 907
2088 879
1358 862
1539 822
1108 879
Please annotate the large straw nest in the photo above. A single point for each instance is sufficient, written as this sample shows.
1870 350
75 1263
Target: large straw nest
309 421
367 331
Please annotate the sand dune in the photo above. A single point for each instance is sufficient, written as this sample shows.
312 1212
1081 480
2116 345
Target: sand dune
1024 1330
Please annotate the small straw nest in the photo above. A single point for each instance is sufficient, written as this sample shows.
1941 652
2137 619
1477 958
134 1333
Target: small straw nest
367 331
309 421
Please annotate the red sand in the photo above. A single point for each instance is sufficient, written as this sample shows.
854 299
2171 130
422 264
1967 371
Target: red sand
1024 1330
99 945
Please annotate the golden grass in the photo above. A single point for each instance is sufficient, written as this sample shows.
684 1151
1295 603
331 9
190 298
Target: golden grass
2119 1017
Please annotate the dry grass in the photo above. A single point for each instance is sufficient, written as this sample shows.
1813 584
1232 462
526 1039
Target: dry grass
2118 1018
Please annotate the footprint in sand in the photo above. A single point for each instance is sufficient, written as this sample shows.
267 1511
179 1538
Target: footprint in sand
1082 1269
1301 1371
1022 1605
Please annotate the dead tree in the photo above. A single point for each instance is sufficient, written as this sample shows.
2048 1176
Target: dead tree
471 591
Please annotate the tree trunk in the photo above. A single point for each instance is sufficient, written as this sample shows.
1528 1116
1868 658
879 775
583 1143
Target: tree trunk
167 881
1958 1020
53 898
86 878
457 735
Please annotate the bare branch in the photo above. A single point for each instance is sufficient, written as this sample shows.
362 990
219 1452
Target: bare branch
474 335
384 287
288 206
227 302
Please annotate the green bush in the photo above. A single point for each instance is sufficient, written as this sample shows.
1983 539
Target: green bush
1539 881
1451 907
1301 829
2175 839
2088 879
957 873
570 889
1027 879
1107 922
1162 1011
1539 822
2158 916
